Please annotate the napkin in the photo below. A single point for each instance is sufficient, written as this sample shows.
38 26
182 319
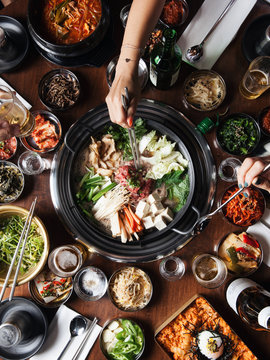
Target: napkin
261 231
25 103
58 336
221 37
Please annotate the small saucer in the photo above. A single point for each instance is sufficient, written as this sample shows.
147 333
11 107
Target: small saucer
18 36
28 347
253 32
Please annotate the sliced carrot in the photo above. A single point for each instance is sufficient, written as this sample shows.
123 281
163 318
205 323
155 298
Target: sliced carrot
135 217
129 216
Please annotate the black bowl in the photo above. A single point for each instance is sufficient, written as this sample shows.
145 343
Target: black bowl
239 150
260 119
34 13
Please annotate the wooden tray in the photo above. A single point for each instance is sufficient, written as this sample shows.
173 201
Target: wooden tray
212 316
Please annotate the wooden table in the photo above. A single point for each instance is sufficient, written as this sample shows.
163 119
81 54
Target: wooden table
167 296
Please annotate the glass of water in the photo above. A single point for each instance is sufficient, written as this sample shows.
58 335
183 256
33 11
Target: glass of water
172 268
32 163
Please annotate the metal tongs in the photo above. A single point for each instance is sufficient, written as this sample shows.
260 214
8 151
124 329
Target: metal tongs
23 240
131 132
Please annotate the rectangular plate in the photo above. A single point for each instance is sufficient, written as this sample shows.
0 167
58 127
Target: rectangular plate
196 314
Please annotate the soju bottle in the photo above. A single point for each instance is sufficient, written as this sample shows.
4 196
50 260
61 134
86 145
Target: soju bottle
165 61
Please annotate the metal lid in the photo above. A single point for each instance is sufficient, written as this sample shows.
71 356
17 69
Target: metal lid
142 71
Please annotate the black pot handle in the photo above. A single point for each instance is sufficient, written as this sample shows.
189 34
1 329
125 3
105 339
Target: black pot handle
189 231
87 128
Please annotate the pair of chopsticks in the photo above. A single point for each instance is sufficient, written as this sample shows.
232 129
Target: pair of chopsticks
86 338
22 240
131 132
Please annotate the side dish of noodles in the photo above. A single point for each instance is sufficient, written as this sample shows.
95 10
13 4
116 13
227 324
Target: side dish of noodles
204 90
130 289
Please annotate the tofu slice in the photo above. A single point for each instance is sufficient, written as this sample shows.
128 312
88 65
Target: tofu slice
167 214
148 222
153 198
160 223
156 208
142 209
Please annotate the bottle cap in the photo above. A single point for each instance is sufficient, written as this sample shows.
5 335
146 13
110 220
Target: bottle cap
205 125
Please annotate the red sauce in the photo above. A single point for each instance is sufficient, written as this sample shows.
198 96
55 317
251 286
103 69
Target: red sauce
266 122
172 12
70 21
7 148
134 181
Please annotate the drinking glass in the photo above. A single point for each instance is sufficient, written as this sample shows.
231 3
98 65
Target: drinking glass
32 163
66 260
13 111
172 268
257 78
15 328
228 169
209 270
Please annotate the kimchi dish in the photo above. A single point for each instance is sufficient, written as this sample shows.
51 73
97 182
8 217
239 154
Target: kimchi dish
70 21
200 333
123 200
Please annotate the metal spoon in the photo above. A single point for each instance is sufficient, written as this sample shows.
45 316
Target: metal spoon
194 53
77 327
204 220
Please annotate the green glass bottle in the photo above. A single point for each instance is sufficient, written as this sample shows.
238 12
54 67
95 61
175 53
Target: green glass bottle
165 61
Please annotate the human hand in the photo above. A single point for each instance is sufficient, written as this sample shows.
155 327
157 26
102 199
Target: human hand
7 130
249 173
126 76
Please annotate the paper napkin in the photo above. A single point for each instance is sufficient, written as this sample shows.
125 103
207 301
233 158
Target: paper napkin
58 336
261 231
25 103
221 37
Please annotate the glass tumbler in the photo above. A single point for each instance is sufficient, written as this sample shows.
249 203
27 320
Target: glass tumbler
228 169
13 111
172 268
66 260
256 79
209 270
32 163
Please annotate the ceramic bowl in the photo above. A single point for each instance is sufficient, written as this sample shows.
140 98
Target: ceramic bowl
11 182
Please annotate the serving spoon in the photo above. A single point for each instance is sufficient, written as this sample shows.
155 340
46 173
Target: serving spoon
77 327
194 53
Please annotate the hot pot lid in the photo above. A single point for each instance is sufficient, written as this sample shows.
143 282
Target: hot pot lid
156 244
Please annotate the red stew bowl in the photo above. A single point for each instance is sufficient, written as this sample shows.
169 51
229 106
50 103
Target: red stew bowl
243 211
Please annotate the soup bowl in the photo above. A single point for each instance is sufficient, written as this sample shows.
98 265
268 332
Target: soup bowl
36 30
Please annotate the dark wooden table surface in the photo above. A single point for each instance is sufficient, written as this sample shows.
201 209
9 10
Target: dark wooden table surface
167 296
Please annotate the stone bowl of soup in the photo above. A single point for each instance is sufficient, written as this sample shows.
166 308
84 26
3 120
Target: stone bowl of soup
68 28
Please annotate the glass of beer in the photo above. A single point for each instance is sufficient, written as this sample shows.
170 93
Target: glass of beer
257 78
65 261
15 113
209 270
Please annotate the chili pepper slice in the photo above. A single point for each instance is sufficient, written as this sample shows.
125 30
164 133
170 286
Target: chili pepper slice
252 242
232 254
246 252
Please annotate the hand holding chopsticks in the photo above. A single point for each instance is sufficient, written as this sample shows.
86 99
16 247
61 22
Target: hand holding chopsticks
22 240
131 132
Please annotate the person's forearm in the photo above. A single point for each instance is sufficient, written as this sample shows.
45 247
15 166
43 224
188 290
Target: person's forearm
143 17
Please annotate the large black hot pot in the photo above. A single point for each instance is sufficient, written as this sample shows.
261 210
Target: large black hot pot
34 14
155 244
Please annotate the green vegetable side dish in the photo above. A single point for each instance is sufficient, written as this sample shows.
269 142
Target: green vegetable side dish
130 342
238 135
10 231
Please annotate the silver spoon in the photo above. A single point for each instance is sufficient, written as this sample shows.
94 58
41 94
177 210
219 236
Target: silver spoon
204 220
194 53
77 327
